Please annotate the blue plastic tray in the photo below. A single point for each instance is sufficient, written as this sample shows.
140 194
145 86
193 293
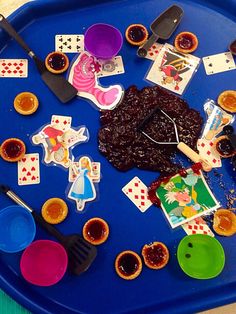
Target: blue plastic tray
100 290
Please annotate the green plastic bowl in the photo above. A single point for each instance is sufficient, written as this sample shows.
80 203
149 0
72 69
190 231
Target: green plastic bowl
201 256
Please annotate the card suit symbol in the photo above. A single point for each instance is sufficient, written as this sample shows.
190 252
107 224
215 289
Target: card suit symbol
204 232
201 227
9 71
202 144
28 173
24 169
24 179
227 60
57 121
33 169
69 39
214 160
65 43
3 64
14 71
136 184
61 47
23 159
32 158
142 191
142 203
15 64
18 68
33 178
78 47
61 39
21 72
210 64
3 71
77 39
9 64
136 197
65 122
208 152
190 227
194 232
21 64
130 190
6 68
69 47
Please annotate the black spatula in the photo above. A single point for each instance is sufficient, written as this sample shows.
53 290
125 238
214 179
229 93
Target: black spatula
163 27
56 83
81 253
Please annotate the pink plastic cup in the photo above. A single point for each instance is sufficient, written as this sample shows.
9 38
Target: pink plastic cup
44 263
103 41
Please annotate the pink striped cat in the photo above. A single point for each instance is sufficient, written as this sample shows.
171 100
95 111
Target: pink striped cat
84 79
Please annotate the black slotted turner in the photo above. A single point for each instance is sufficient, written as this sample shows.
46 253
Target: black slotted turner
80 252
61 88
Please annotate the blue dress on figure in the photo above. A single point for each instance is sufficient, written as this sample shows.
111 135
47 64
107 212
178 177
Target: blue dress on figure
82 188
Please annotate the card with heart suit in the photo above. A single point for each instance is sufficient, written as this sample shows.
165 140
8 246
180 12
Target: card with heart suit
69 43
62 123
111 67
197 226
217 63
28 170
207 152
14 68
137 192
154 51
173 70
95 173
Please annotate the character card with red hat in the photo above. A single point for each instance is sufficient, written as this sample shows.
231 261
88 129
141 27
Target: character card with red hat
58 140
173 70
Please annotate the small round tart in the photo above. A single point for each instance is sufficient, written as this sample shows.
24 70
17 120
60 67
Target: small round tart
224 222
128 265
227 100
136 34
57 62
224 147
26 103
155 255
186 42
12 149
96 231
54 210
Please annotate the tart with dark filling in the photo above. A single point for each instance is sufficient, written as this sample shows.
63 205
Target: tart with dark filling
128 265
186 42
96 231
227 100
224 146
155 255
136 34
12 149
57 62
224 222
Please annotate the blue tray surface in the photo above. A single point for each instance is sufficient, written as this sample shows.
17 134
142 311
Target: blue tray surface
100 290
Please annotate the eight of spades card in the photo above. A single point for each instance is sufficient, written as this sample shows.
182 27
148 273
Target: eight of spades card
173 70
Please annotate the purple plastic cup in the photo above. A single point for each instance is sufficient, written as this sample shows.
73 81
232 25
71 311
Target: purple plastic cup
103 41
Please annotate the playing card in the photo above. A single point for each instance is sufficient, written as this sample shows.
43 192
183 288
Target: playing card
218 63
69 43
14 68
154 51
62 123
207 151
95 173
197 226
172 69
28 170
137 192
110 67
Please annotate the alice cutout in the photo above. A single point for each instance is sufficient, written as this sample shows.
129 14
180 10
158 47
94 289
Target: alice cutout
58 142
83 76
82 189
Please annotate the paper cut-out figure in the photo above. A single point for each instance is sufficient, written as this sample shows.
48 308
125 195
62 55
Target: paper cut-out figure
83 77
82 189
56 143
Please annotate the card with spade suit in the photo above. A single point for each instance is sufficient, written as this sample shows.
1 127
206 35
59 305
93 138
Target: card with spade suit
217 63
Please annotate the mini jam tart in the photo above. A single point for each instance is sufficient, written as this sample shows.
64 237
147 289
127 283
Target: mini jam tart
54 210
224 222
96 231
186 42
136 34
12 149
26 103
155 255
57 62
227 100
128 265
224 147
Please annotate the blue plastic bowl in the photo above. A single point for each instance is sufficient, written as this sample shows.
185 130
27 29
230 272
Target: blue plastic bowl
17 229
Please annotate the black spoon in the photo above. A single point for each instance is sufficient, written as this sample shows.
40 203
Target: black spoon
56 83
81 253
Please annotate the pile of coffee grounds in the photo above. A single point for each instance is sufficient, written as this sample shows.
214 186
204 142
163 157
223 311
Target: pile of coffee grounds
126 147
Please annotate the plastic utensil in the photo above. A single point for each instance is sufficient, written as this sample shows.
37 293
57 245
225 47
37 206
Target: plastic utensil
185 149
44 263
103 41
56 83
163 27
17 229
201 256
80 252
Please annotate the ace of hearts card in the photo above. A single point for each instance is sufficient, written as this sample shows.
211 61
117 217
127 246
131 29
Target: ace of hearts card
173 70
